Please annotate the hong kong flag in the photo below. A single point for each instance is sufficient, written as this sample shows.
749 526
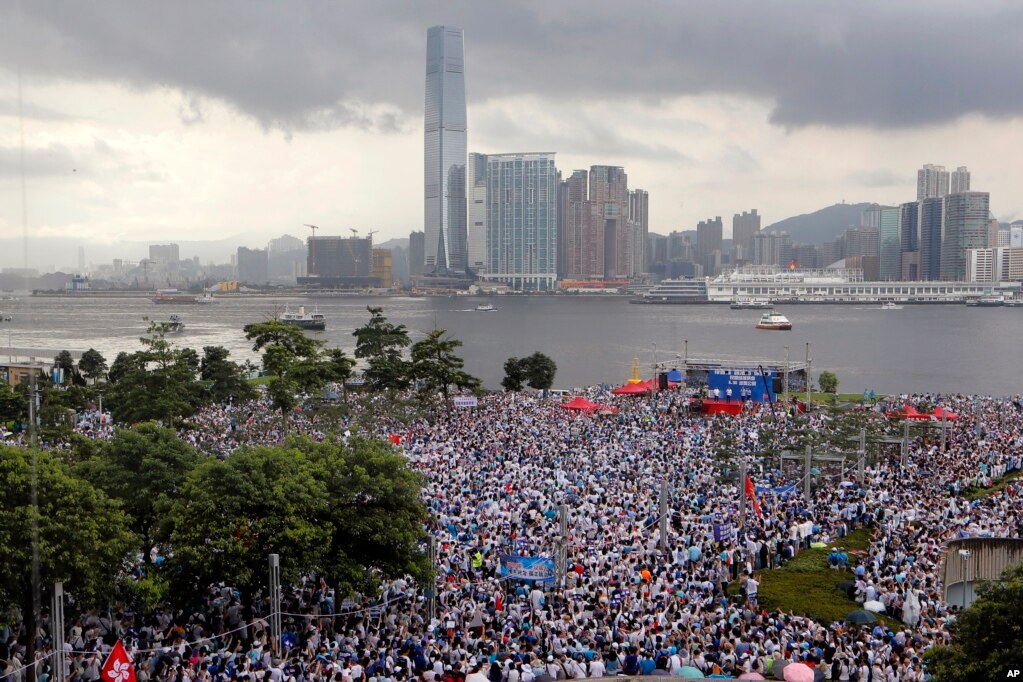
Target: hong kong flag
118 667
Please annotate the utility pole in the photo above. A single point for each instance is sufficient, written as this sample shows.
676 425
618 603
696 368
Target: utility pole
785 386
57 631
861 460
432 589
33 436
685 355
742 494
905 442
809 377
275 601
662 504
561 562
944 428
806 472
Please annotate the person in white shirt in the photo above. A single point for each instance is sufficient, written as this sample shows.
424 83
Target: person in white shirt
597 667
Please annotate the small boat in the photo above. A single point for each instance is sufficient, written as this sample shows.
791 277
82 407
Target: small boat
206 298
5 318
175 325
751 304
986 302
890 305
774 321
485 308
314 320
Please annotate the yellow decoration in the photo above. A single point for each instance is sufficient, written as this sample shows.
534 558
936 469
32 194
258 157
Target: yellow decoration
635 372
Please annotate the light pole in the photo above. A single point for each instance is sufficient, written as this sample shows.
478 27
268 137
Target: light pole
785 386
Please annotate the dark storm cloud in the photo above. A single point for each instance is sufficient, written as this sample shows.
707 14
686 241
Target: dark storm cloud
317 65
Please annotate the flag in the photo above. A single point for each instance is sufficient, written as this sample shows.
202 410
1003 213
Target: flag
395 438
751 493
118 667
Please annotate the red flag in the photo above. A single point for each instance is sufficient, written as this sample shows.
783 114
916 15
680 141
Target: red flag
395 438
750 493
118 667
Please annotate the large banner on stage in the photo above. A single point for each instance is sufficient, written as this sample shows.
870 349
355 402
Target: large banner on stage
745 384
527 568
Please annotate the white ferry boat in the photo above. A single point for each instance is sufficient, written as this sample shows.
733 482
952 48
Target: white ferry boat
774 322
485 308
751 304
314 320
676 291
890 305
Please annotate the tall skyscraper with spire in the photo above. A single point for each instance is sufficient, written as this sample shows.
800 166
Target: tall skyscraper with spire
444 221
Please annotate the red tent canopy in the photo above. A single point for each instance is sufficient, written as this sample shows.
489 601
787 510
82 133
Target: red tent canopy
642 388
579 403
949 414
907 412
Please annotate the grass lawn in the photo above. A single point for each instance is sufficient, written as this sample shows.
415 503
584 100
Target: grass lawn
260 381
825 398
805 586
998 486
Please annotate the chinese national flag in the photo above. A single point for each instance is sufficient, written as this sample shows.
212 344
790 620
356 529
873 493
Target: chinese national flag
750 493
118 667
395 438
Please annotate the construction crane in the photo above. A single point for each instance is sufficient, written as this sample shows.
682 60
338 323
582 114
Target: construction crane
355 233
369 235
312 250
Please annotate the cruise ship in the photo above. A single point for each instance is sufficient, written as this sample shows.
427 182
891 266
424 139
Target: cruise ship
827 285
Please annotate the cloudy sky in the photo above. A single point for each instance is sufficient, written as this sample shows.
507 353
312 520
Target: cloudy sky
197 120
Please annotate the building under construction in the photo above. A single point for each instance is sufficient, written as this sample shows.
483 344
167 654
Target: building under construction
339 263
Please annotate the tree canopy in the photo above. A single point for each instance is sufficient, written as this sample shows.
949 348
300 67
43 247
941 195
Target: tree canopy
537 370
381 343
988 640
92 364
828 382
436 366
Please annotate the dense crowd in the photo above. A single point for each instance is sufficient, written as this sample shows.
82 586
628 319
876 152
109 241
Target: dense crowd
632 601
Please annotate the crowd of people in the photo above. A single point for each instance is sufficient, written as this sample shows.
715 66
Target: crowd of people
498 478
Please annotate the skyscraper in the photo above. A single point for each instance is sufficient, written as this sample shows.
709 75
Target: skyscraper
960 180
709 235
252 265
964 226
476 177
639 224
609 209
909 239
744 226
886 220
445 151
931 211
522 210
931 181
416 253
577 256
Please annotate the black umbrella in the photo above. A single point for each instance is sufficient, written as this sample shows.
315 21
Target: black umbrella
861 617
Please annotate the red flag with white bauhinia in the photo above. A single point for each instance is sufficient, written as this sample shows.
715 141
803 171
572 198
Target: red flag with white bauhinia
751 493
118 667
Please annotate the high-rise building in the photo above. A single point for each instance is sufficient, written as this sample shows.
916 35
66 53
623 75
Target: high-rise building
253 266
284 244
886 220
992 233
382 268
909 226
709 235
416 253
806 255
862 241
339 257
931 181
964 226
164 253
960 180
982 265
772 248
445 152
931 212
832 252
609 210
1016 235
639 217
744 226
579 254
522 217
476 178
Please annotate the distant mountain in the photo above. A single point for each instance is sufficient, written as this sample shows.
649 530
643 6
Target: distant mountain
400 243
820 226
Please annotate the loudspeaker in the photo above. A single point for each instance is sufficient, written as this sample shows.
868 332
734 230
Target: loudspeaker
662 381
776 385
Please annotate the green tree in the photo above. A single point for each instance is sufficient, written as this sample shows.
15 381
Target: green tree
828 382
436 367
375 512
144 468
514 374
92 365
381 343
83 535
233 513
293 360
224 379
13 405
338 367
987 635
540 371
156 383
64 362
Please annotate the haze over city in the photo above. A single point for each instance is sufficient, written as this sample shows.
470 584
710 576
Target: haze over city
244 121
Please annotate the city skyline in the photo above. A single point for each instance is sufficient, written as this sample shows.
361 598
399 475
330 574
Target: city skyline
254 143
